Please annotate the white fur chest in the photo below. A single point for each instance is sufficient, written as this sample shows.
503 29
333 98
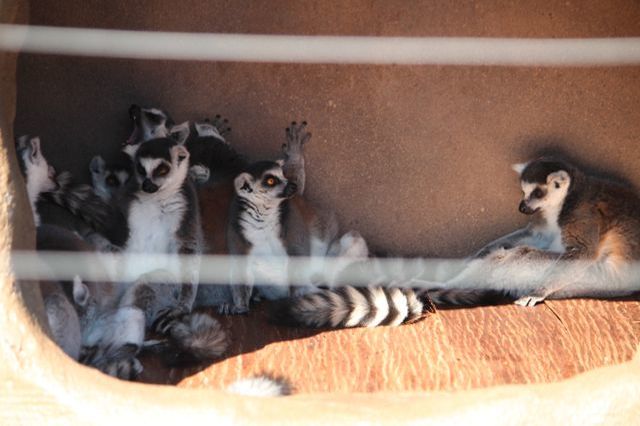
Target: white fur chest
153 224
552 231
268 263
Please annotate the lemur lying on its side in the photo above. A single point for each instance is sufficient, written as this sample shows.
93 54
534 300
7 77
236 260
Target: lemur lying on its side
583 242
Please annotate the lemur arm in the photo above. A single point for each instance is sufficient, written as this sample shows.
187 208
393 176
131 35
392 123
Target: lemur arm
508 241
293 154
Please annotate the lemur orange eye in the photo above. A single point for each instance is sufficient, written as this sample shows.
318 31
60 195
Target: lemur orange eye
271 181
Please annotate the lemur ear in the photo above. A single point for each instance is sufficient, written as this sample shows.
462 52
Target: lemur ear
242 183
80 292
280 162
35 147
181 153
22 141
180 132
558 178
519 167
97 165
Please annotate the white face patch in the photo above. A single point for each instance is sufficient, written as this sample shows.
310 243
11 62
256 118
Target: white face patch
553 195
150 164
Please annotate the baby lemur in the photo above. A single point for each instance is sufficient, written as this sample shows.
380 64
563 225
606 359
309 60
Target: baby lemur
583 242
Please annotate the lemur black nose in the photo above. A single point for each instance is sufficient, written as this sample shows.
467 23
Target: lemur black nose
524 208
148 186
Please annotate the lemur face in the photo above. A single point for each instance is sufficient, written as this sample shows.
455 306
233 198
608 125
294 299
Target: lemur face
107 181
161 164
148 123
544 184
264 182
40 176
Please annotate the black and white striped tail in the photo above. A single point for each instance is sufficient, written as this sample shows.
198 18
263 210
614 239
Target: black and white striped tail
470 296
353 307
80 200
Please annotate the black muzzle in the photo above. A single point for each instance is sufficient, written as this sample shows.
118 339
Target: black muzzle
149 187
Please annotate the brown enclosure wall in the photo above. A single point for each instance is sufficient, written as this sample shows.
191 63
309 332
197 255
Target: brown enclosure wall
415 157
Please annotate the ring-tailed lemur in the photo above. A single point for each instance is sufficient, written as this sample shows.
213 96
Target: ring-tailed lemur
163 218
583 243
55 199
269 224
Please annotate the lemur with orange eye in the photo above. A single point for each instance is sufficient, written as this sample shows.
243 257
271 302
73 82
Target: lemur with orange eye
268 223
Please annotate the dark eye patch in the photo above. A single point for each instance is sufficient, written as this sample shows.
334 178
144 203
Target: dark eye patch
112 181
155 118
141 170
161 170
537 193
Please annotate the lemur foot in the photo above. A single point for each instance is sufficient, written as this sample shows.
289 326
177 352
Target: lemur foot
127 369
119 362
529 301
217 128
199 173
231 309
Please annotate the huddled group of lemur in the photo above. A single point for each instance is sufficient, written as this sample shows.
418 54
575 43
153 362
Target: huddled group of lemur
183 190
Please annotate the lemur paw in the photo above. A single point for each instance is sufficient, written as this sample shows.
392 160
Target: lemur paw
217 128
231 309
120 362
297 136
127 369
529 301
167 318
199 173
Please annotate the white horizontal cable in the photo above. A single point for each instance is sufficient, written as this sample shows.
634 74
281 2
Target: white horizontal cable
118 267
321 49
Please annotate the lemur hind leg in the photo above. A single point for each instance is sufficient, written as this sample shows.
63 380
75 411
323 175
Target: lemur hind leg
293 154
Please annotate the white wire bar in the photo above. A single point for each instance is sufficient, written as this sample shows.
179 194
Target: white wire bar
321 49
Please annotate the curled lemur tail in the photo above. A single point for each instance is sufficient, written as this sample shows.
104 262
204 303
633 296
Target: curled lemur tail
263 385
470 297
200 336
80 200
353 307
